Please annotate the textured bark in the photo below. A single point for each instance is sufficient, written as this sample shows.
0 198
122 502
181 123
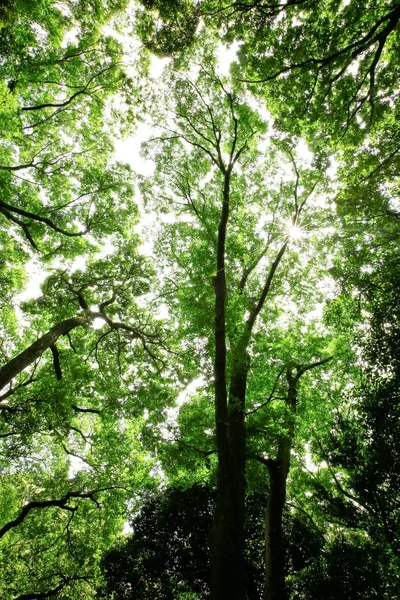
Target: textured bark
228 533
227 536
17 364
274 548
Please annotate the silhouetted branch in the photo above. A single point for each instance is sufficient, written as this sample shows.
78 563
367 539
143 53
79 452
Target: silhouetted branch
56 361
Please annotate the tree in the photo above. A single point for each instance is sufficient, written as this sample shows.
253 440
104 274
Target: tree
65 438
68 435
328 72
211 168
166 27
56 172
344 61
278 469
365 437
167 555
114 284
247 243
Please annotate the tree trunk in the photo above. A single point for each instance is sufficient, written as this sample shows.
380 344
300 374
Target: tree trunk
17 364
278 471
227 535
274 547
228 530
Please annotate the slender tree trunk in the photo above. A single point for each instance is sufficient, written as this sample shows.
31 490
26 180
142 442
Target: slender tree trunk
17 364
278 472
278 468
274 546
227 536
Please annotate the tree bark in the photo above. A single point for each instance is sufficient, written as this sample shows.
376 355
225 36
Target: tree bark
17 364
227 536
228 531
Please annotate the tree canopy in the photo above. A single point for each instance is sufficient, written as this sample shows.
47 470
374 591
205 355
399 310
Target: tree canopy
208 353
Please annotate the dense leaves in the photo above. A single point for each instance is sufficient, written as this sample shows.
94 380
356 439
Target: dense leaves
254 353
167 555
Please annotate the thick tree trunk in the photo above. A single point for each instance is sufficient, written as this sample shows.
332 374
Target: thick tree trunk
278 472
17 364
227 547
228 529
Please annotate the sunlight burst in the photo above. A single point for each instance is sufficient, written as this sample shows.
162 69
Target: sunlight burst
295 232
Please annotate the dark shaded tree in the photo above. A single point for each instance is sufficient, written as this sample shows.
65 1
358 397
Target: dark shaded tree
168 556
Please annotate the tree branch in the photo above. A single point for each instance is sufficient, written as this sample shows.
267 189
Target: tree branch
267 462
6 209
51 592
250 412
301 369
62 503
85 410
56 361
17 364
353 50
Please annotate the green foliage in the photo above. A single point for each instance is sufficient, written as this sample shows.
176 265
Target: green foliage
166 27
167 555
134 407
342 63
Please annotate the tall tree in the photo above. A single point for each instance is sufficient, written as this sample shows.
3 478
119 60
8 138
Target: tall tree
278 469
56 171
245 238
212 167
